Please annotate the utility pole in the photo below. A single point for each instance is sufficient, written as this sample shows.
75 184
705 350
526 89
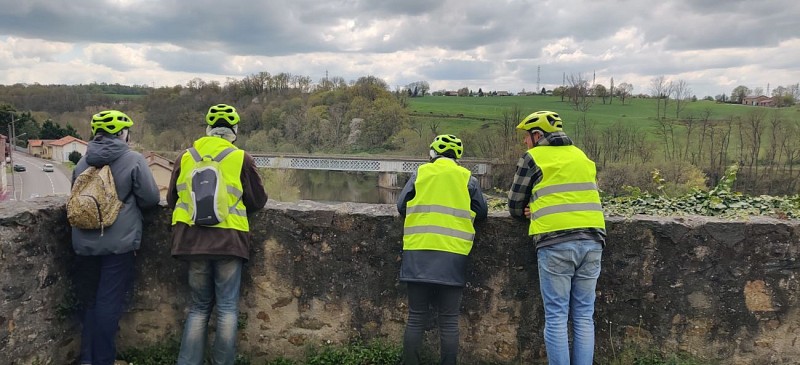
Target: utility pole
13 137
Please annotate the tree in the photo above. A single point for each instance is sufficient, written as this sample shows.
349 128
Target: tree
759 91
70 131
543 92
463 91
480 92
739 93
578 92
418 88
659 89
682 93
623 91
601 91
74 157
51 130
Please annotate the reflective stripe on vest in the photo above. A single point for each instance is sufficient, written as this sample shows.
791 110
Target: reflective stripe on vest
232 191
231 169
567 196
439 217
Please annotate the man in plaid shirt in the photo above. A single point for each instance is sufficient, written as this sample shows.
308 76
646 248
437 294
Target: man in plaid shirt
555 189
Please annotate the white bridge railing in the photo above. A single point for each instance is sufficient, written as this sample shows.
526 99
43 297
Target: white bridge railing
356 163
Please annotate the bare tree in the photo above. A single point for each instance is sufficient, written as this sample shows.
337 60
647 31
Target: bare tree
623 91
658 87
682 93
578 89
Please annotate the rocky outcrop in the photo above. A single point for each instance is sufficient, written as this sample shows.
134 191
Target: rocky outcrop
721 290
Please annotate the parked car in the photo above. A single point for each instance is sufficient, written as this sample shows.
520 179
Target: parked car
48 167
18 167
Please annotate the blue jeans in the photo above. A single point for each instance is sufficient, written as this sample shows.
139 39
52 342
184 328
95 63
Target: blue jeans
447 300
102 285
568 273
212 281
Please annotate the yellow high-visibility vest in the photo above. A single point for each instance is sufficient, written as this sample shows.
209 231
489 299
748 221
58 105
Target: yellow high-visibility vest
439 217
567 197
231 169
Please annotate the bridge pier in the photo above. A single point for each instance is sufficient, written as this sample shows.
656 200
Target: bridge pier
387 180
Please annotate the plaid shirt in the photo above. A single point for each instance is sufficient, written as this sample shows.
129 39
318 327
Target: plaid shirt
527 176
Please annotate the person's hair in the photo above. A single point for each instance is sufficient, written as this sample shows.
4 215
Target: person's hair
449 154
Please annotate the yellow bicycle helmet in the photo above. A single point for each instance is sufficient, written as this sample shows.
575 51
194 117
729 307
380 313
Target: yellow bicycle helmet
222 113
447 142
111 121
544 121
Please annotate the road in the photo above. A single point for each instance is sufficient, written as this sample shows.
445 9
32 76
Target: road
34 182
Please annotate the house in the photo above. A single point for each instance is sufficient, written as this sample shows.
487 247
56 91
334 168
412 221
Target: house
36 147
756 100
60 149
503 93
161 167
766 102
451 93
3 148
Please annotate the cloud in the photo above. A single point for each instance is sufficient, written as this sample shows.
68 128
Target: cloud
513 44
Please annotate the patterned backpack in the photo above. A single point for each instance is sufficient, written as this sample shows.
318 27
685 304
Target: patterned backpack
94 203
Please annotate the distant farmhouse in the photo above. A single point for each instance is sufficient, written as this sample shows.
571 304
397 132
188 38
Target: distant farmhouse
758 101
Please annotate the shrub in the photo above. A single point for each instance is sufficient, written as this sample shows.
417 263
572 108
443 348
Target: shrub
74 157
668 179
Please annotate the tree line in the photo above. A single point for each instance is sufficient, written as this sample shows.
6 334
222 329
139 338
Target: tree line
290 113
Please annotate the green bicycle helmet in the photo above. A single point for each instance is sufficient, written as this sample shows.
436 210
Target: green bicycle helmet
447 142
544 121
111 121
222 113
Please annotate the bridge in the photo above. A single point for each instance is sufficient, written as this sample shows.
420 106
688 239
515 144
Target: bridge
387 167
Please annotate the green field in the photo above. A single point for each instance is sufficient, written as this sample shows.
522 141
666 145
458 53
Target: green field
464 113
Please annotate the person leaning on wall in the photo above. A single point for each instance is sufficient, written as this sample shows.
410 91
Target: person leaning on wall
555 191
215 243
106 256
440 203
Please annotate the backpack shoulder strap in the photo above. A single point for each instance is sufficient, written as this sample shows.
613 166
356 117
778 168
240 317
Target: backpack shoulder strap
224 154
195 154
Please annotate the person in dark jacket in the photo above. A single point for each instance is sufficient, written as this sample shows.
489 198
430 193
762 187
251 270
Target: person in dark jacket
215 250
440 203
106 258
555 192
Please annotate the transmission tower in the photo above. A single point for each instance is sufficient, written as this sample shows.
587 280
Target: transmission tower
538 77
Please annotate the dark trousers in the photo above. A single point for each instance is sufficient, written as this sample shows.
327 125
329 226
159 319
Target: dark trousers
103 284
447 301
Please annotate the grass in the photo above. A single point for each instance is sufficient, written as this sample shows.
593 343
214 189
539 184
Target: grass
460 113
384 353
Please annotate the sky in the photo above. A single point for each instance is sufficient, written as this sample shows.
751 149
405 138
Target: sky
511 45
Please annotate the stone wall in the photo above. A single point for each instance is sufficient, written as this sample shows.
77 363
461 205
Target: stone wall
721 290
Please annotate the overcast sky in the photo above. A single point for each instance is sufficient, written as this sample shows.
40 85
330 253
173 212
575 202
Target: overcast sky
713 45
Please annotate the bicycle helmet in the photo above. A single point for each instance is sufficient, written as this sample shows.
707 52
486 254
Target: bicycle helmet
447 142
111 121
544 121
222 113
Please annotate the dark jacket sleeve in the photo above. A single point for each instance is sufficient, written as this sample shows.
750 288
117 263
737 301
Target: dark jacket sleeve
406 194
519 196
144 185
477 200
254 195
172 192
